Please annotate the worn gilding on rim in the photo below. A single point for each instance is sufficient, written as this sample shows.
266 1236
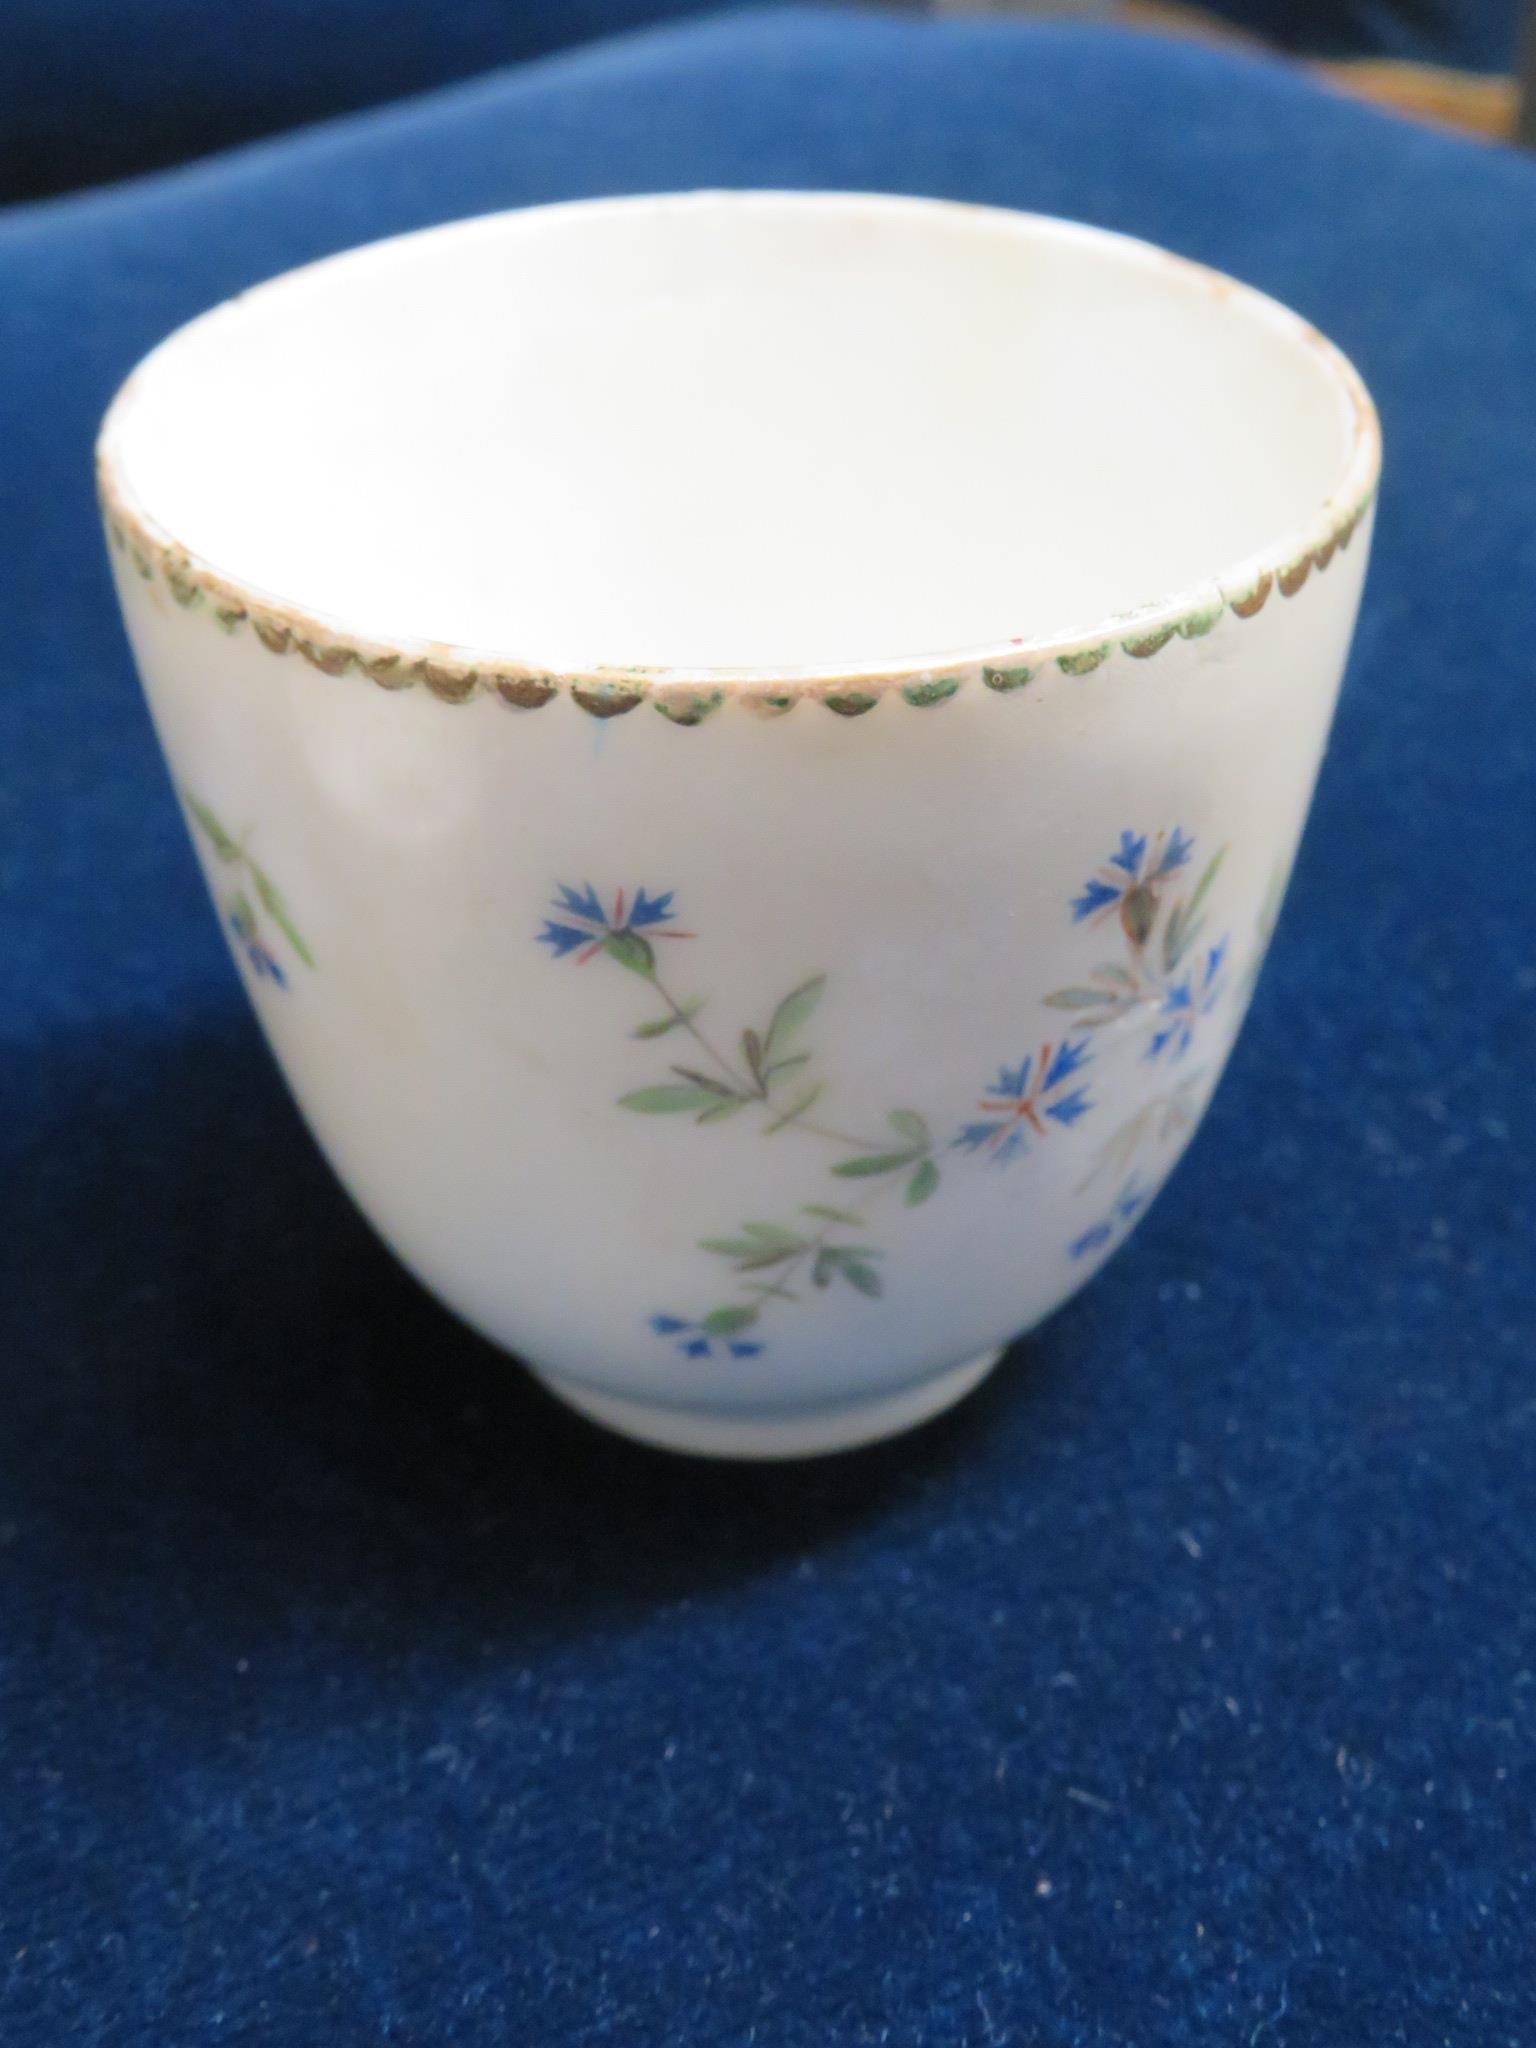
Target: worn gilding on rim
688 707
454 676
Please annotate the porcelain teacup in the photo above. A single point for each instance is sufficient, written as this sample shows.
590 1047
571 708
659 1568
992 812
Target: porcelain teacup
747 747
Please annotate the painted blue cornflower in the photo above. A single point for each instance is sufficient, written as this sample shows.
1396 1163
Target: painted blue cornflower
1023 1097
694 1341
1127 1204
1185 1002
260 961
582 926
1131 878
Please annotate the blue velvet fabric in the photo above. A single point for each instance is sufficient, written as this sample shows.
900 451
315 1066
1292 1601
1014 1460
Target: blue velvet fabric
1179 1688
92 90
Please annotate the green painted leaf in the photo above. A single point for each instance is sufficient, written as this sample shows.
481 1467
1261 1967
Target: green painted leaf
277 910
760 1246
824 1268
830 1215
1113 971
864 1278
906 1123
769 1255
241 915
793 1014
225 847
718 1111
706 1081
631 951
725 1322
669 1099
802 1102
658 1027
752 1053
1079 999
771 1233
873 1163
1212 869
1185 925
776 1067
925 1178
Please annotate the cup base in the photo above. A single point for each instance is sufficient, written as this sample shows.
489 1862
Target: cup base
809 1435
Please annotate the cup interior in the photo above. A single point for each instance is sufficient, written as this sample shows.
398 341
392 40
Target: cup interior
736 431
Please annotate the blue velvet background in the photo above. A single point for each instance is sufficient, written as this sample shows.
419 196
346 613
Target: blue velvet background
99 89
1180 1687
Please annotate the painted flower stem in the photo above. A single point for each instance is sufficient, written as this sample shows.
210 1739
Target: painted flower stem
842 1139
740 1085
746 1089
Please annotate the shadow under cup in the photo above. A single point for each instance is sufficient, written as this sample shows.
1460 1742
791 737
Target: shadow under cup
747 747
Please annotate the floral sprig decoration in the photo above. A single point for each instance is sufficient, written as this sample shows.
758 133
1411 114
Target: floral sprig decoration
1132 885
1157 975
1186 1001
247 920
1167 977
716 1333
769 1071
1025 1099
582 926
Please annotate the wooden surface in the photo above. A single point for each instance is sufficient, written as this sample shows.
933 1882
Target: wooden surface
1469 101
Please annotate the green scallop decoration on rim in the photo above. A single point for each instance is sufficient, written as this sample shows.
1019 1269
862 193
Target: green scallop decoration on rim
688 707
1085 661
617 691
1198 623
931 690
1148 644
1013 678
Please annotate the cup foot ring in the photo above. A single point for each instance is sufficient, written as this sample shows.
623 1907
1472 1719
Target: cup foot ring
813 1433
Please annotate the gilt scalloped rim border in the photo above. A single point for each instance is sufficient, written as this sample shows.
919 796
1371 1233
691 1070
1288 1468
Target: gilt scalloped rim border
610 693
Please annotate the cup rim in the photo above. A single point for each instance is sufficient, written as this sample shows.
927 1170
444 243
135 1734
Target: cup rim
456 672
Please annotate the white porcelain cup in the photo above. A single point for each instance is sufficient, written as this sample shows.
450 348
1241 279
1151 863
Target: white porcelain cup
747 746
